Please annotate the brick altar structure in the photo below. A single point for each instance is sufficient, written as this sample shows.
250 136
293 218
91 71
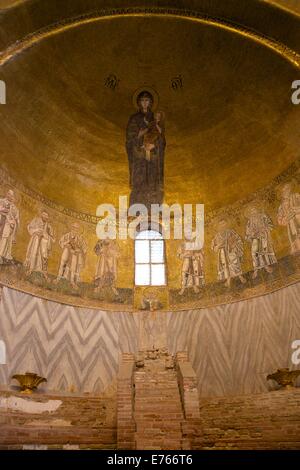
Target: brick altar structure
156 407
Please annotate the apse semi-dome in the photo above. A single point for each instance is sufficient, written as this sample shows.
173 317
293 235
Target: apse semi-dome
224 85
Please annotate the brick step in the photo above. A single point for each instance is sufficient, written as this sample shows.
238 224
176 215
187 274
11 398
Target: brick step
158 437
160 384
158 417
158 402
156 386
158 375
161 375
158 445
155 399
145 433
156 390
141 380
158 413
159 421
156 381
156 393
142 431
157 378
150 430
154 424
162 404
168 386
142 427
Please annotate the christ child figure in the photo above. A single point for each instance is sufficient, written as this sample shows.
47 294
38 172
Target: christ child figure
155 130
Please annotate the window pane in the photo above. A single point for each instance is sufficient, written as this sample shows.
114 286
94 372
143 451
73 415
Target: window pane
157 251
149 235
157 274
142 274
142 249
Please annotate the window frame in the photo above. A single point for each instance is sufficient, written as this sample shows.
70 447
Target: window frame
150 263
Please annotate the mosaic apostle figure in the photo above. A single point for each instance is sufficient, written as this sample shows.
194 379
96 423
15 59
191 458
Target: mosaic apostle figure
258 233
289 216
145 145
73 255
9 223
192 270
39 247
229 246
106 270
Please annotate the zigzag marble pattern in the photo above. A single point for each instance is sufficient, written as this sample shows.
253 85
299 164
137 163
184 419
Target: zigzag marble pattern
75 348
233 347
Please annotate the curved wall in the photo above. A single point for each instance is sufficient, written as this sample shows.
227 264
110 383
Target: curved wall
286 269
232 348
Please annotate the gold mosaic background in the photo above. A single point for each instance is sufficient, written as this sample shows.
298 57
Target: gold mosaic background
231 128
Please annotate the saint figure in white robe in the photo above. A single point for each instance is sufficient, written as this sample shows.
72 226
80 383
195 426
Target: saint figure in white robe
39 247
228 244
289 216
258 233
9 223
192 269
74 249
106 269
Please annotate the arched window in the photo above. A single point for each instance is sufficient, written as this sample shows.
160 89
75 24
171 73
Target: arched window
150 259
